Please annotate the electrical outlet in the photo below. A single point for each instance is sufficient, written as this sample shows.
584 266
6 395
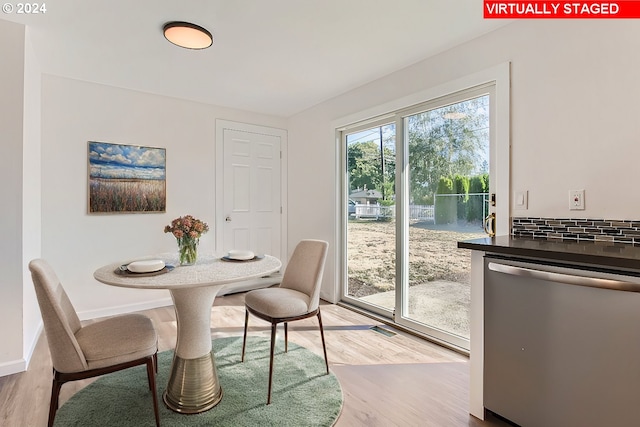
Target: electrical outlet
576 200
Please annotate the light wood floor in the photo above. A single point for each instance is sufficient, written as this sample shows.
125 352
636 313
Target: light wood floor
386 381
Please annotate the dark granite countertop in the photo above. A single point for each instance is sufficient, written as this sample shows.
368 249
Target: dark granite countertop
603 254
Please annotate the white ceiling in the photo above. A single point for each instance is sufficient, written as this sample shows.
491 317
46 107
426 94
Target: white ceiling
276 57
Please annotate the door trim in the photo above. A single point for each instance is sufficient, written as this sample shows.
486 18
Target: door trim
221 126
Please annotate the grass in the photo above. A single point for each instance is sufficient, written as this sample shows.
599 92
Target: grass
127 195
439 272
433 255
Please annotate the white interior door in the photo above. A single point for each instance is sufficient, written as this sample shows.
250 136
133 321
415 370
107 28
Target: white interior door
250 206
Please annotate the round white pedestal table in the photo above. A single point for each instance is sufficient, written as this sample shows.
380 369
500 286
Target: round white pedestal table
193 385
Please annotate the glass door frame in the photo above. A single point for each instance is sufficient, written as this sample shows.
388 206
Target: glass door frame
499 76
342 137
402 204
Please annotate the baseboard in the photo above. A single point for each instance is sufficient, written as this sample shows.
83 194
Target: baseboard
21 365
32 347
13 367
122 309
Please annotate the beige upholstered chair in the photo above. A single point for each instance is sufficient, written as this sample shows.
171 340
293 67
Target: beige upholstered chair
297 297
80 352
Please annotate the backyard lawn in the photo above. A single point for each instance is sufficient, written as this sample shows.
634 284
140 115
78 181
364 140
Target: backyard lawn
439 291
433 255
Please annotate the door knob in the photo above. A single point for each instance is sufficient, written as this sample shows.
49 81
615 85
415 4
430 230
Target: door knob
228 219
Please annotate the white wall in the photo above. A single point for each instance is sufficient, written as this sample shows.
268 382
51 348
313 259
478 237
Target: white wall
76 243
573 119
573 126
31 195
12 47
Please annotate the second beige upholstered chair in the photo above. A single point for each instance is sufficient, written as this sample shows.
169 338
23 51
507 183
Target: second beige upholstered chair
297 297
80 352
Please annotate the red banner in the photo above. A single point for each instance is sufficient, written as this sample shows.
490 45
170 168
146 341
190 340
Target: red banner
561 9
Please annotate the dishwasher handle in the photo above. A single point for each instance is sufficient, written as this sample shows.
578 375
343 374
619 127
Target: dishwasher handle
569 279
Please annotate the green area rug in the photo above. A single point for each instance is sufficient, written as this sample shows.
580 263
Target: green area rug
303 395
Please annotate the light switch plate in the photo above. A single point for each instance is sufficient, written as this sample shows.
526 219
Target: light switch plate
521 200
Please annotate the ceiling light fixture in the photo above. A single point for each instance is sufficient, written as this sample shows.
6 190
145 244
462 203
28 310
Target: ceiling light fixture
187 35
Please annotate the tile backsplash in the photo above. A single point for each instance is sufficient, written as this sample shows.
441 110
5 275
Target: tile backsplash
579 229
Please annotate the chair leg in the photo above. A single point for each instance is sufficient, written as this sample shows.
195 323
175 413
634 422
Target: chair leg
273 347
149 382
55 393
286 337
244 339
151 374
154 364
324 347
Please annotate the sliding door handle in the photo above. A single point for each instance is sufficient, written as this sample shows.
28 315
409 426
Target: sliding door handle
489 224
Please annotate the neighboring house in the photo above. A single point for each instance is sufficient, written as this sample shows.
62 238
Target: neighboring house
366 197
365 204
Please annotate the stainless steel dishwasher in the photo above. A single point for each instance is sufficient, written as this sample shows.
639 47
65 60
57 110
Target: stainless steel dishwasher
562 344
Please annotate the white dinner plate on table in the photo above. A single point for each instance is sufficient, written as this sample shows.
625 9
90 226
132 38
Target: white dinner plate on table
254 258
240 255
144 268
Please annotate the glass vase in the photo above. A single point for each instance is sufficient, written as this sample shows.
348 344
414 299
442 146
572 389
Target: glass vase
187 251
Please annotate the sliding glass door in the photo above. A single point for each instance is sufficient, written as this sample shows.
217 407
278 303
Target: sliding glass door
371 232
417 182
448 172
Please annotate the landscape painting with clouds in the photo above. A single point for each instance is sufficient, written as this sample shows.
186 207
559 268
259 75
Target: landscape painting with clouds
126 178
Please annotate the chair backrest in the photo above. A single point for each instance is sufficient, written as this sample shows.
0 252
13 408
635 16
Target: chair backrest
60 319
305 268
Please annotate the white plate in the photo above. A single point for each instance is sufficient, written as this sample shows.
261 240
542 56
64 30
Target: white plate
240 255
146 266
255 258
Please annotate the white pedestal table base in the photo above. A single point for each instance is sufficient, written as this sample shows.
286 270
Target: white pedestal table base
193 381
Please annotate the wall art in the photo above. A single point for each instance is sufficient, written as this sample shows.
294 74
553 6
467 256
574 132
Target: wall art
126 178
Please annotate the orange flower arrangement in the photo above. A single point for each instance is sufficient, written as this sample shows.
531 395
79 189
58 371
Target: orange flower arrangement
187 231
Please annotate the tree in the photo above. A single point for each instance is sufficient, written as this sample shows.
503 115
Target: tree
477 185
446 208
365 166
447 141
461 186
443 142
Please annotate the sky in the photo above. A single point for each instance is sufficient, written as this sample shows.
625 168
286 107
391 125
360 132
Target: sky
126 161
